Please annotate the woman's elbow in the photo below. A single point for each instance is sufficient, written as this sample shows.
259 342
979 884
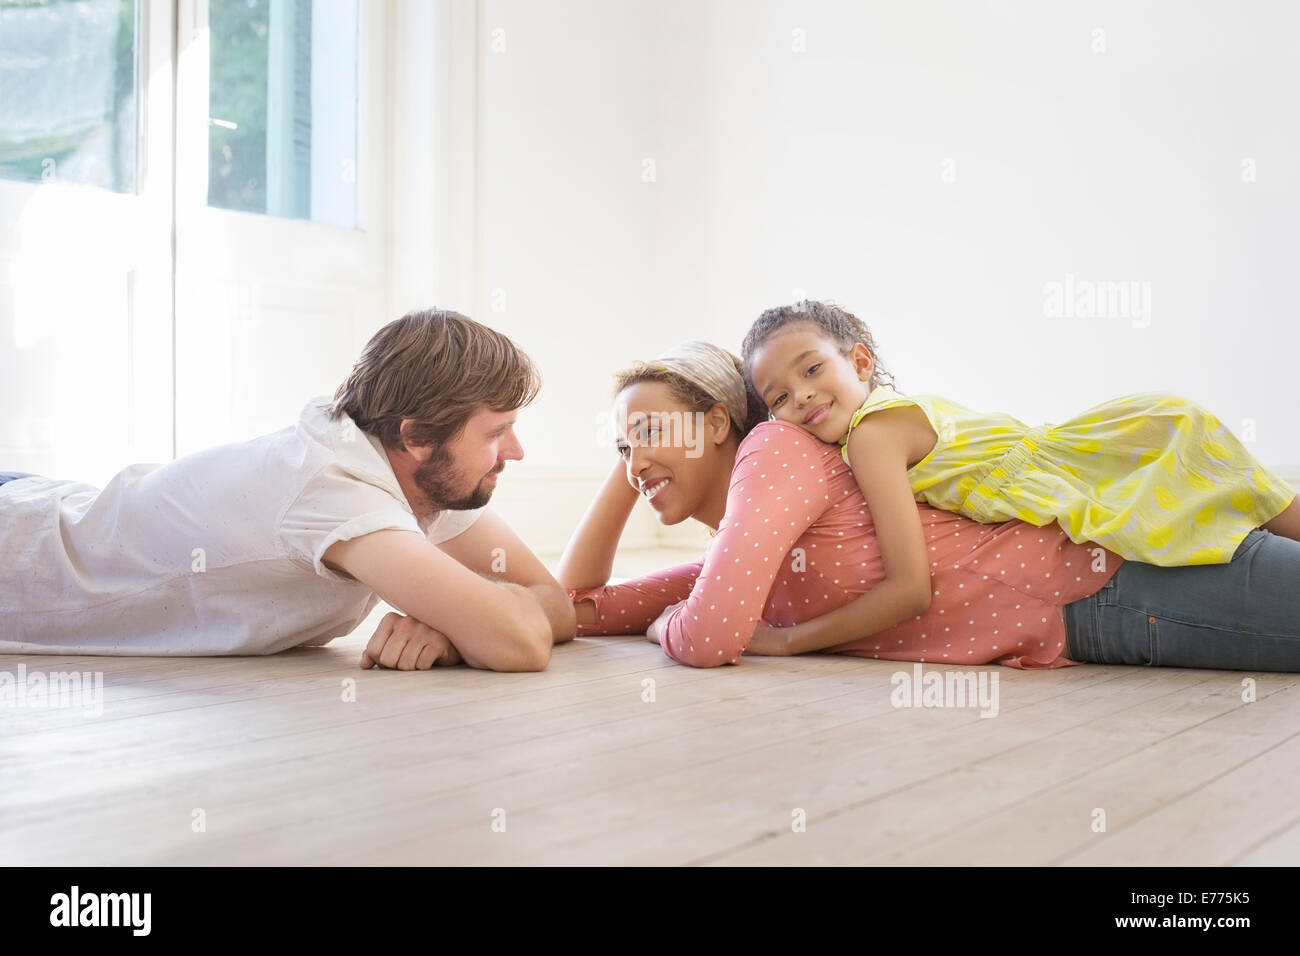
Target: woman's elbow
921 599
572 575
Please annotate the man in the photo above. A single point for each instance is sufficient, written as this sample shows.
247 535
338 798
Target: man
292 538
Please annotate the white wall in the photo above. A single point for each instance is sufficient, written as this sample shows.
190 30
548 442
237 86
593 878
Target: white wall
796 146
824 171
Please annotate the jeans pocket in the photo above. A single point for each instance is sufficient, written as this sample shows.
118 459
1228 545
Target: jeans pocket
1106 594
1125 636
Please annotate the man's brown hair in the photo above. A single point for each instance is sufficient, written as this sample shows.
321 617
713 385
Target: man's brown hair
439 368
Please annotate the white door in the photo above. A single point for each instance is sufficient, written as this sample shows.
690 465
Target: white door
85 236
280 225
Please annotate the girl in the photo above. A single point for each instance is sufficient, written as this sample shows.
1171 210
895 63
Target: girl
1151 476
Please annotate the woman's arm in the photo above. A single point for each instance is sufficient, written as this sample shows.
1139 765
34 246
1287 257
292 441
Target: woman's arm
588 561
631 607
588 558
777 490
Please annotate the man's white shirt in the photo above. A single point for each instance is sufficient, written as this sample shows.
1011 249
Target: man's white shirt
215 553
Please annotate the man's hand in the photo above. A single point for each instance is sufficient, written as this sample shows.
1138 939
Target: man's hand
405 644
769 641
492 627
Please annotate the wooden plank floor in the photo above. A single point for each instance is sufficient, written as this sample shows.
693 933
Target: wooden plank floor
573 766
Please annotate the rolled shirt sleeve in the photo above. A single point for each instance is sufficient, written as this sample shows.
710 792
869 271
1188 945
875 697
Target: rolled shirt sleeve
336 506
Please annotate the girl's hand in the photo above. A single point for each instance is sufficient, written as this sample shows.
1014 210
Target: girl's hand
655 632
769 641
405 644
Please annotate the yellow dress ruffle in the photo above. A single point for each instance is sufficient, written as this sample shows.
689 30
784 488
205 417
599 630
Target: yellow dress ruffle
1152 477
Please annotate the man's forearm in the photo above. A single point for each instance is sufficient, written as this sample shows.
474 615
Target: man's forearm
554 602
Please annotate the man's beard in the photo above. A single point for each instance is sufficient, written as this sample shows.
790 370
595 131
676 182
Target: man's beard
443 484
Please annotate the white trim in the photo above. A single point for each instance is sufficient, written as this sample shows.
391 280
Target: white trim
433 156
247 283
153 295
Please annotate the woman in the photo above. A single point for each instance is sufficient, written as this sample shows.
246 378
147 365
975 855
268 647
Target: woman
794 544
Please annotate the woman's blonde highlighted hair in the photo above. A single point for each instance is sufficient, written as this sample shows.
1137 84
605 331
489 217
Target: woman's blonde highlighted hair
700 375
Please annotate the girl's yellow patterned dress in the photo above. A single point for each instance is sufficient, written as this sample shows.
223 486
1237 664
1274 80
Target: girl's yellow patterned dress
1152 476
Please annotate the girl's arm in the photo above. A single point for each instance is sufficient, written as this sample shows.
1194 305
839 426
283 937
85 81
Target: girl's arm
878 454
588 558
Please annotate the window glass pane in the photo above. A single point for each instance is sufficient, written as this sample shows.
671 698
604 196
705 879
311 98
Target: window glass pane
68 92
283 108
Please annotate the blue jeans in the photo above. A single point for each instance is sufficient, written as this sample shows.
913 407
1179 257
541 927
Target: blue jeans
1244 615
12 475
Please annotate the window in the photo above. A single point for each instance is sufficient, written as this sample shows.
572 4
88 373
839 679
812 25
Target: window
70 80
283 132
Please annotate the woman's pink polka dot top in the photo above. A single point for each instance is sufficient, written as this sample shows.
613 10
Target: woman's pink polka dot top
797 540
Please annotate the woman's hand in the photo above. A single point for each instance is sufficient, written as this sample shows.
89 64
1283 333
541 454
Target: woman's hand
655 632
405 644
769 641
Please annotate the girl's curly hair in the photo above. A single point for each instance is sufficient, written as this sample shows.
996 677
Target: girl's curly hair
834 322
